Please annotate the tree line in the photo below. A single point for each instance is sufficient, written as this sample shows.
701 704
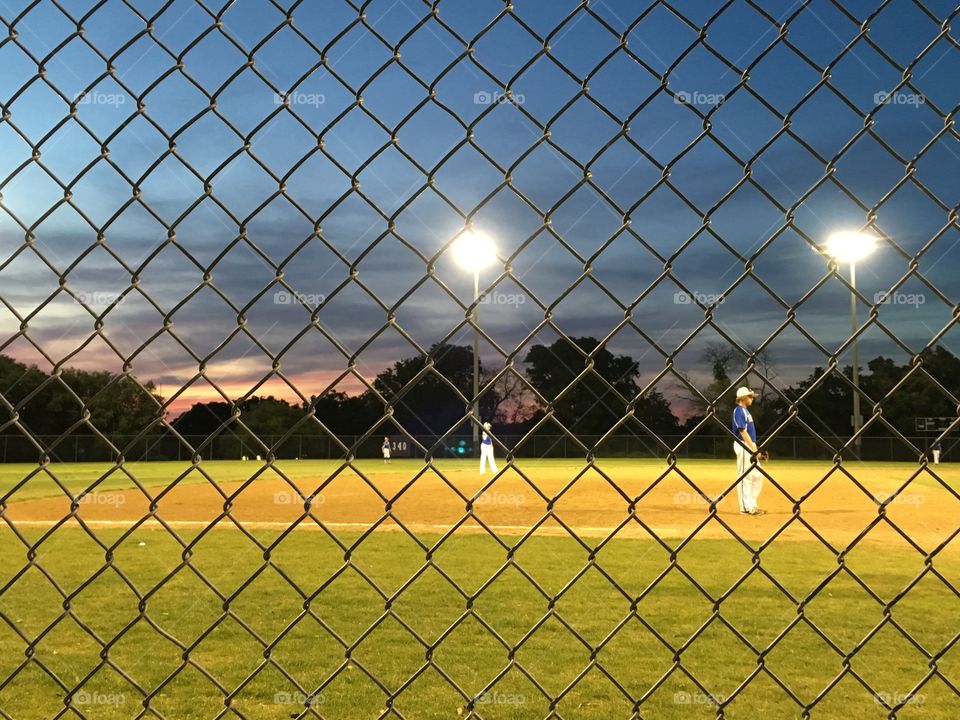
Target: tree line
554 385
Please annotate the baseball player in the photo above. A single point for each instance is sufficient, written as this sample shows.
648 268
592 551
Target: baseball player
486 450
935 451
385 448
749 481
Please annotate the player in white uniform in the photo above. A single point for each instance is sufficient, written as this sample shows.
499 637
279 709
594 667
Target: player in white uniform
936 450
385 448
486 450
749 481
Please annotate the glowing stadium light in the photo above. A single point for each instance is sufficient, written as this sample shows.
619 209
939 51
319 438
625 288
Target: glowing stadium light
474 251
851 245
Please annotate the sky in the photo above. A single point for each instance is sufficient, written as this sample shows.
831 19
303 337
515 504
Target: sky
230 167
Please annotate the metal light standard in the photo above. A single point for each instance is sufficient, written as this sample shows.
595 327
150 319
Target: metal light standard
849 247
474 251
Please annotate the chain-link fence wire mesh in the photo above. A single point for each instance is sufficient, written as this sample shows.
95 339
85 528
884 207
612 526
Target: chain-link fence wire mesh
362 103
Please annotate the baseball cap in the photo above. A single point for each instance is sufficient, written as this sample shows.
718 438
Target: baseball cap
745 392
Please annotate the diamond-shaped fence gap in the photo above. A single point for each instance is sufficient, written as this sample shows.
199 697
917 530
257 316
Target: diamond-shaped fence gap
916 221
430 589
922 510
688 173
665 508
174 99
28 267
544 161
888 662
229 668
609 268
471 655
807 27
351 225
712 277
898 17
184 607
826 140
28 195
41 103
404 660
512 589
584 301
356 55
739 608
906 109
24 583
786 171
514 222
826 607
634 656
862 173
593 606
933 161
747 219
189 689
765 694
804 661
271 693
471 540
664 221
445 134
428 237
476 178
699 659
212 61
427 316
622 174
411 496
106 687
390 269
593 691
68 153
302 638
539 654
581 42
583 130
932 68
912 611
193 316
589 500
243 183
369 555
675 622
347 604
87 600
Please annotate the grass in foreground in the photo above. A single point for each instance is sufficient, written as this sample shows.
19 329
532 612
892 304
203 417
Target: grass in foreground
183 636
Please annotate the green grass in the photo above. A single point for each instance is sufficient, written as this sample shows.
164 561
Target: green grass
183 642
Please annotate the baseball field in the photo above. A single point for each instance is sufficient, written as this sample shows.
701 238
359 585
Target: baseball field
627 589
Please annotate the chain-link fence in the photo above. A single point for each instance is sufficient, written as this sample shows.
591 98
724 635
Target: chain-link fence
243 199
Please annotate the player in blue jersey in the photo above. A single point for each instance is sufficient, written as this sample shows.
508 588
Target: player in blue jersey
749 479
486 450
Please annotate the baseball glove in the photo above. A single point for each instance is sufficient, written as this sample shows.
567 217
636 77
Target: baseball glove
763 456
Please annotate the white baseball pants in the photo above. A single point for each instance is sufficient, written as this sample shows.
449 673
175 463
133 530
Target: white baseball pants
486 455
750 482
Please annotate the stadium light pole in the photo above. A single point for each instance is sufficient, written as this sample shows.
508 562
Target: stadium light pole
850 247
474 251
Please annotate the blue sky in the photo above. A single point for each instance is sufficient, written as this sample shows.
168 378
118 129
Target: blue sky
258 102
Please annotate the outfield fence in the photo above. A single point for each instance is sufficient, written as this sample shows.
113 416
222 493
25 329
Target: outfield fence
92 448
111 71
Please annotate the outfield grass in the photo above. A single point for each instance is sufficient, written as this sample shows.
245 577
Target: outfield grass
223 628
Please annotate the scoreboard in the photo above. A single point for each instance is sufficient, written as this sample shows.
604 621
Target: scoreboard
400 447
934 424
